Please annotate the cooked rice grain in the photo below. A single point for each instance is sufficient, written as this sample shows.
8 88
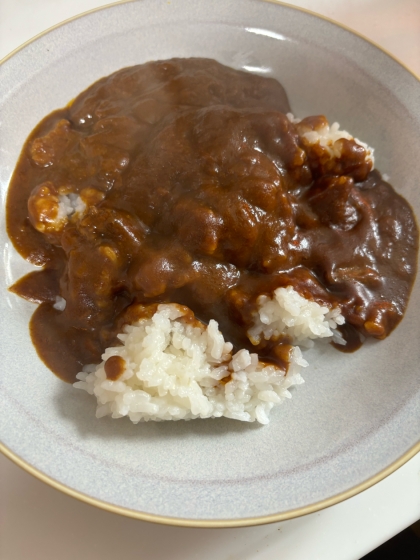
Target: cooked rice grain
327 137
288 313
175 370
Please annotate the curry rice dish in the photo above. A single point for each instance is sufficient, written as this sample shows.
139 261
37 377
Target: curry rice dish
178 200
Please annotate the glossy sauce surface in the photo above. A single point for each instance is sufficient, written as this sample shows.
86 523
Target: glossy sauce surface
199 190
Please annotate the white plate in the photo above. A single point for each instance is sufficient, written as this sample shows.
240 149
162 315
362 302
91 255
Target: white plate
356 418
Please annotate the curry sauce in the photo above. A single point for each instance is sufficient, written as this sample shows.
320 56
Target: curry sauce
188 183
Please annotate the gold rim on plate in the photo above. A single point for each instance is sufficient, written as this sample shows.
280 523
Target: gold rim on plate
210 523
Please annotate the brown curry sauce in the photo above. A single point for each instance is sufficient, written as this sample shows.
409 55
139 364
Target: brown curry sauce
198 190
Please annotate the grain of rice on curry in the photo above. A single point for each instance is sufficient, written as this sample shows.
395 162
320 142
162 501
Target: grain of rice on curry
194 236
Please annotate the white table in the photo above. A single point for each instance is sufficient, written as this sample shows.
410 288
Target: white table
40 523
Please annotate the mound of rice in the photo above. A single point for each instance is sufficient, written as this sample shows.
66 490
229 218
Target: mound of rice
175 369
288 313
69 204
327 137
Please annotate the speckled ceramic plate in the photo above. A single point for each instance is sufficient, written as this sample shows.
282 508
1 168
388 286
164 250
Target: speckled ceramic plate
356 418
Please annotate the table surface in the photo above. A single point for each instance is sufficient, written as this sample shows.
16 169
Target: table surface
38 522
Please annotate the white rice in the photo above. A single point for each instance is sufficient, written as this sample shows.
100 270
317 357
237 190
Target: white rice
50 211
60 303
327 137
290 314
69 204
174 370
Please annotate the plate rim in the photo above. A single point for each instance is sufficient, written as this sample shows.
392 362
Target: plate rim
212 523
275 2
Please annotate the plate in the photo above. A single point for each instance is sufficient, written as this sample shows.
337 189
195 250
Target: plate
357 417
